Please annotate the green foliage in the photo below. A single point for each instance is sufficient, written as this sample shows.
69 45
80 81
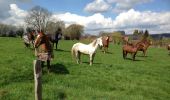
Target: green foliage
145 35
117 37
109 78
74 31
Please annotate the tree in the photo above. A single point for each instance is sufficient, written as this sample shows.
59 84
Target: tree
20 32
38 18
74 31
145 35
53 26
117 37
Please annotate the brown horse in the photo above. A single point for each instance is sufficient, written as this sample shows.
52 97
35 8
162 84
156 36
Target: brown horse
129 49
125 39
105 41
168 47
132 49
43 49
145 44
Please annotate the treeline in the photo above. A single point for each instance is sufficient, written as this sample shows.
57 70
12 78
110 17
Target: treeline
74 31
10 31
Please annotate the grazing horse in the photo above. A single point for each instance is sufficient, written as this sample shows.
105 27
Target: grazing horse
43 49
145 44
105 41
89 49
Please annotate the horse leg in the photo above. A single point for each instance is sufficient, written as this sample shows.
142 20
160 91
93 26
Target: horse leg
48 65
42 64
77 56
144 53
91 59
56 43
104 49
134 56
124 54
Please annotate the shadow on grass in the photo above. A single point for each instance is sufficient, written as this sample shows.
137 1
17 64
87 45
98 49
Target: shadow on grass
89 63
141 56
132 59
60 50
59 69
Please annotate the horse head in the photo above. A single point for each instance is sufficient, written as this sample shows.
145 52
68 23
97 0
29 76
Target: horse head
38 41
99 41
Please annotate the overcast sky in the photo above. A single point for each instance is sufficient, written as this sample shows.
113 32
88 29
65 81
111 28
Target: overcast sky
96 15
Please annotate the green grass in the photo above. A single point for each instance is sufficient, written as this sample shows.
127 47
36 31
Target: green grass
109 78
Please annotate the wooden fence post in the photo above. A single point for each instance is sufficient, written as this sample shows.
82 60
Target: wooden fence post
37 79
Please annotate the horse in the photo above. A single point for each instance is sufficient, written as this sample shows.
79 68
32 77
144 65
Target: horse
125 39
29 39
168 47
105 41
146 44
55 37
88 49
43 49
132 49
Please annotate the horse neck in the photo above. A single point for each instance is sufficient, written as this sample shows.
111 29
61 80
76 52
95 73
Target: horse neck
94 44
45 44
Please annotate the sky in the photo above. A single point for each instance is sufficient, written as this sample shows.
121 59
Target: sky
96 15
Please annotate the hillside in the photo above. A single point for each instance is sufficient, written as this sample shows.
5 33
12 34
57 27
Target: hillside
111 77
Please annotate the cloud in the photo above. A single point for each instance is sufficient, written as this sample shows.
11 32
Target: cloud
90 22
155 22
128 21
5 7
16 15
97 6
125 5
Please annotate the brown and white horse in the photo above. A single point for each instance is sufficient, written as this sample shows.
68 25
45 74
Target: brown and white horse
29 39
43 49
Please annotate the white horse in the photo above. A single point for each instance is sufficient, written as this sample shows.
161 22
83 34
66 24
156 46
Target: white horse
89 49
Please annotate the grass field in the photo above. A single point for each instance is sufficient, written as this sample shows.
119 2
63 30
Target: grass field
109 78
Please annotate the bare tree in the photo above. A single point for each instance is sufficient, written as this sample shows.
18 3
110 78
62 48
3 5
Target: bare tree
38 18
52 27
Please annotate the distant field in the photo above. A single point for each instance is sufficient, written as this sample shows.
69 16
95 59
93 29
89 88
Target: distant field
110 78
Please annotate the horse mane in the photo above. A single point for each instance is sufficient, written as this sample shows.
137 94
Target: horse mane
94 42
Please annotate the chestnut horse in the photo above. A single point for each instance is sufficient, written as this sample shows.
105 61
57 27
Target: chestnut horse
43 49
145 44
132 49
105 41
125 39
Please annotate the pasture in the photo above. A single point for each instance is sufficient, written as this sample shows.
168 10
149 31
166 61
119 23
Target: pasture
109 78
